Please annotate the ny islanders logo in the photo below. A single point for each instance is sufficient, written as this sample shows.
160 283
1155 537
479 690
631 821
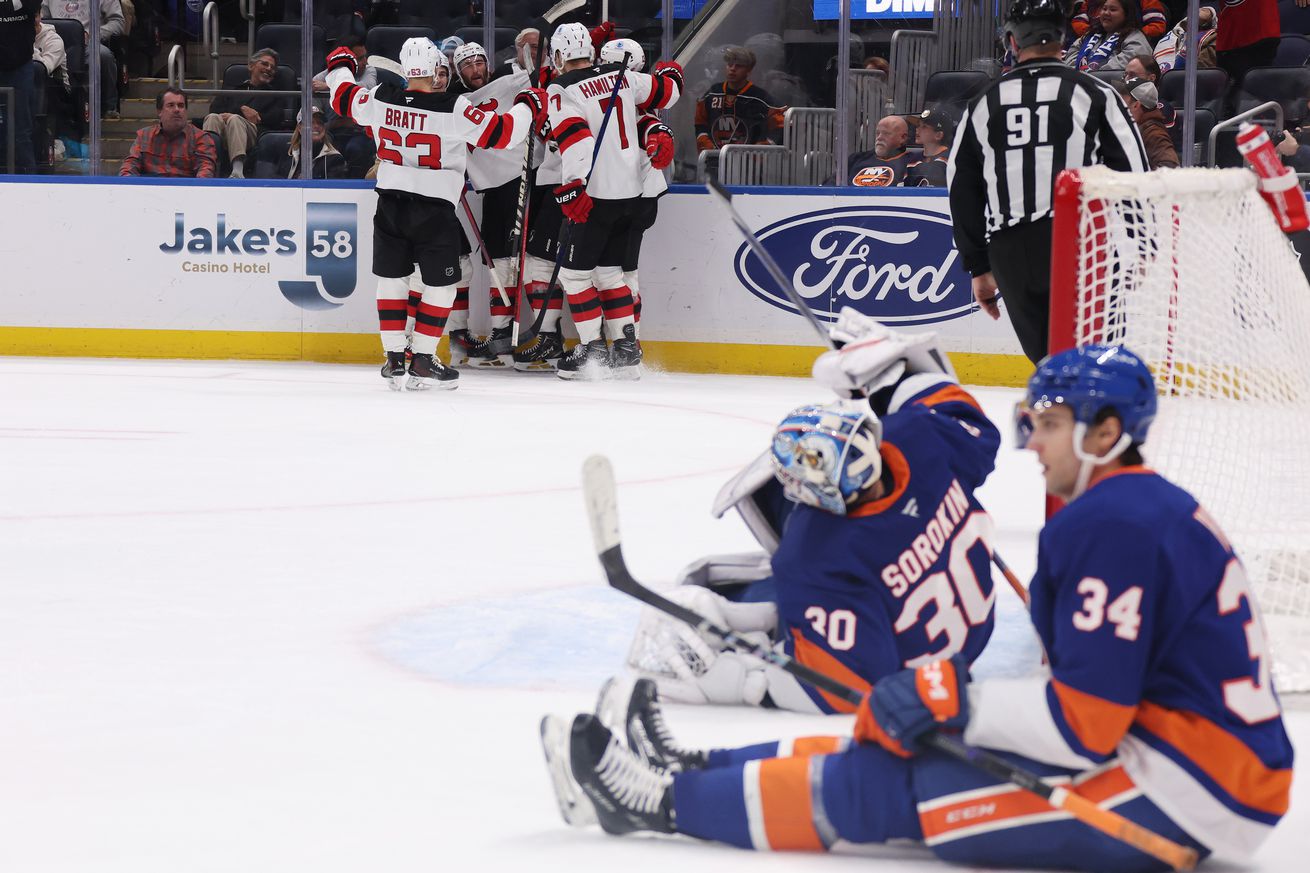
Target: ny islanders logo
874 177
332 230
896 264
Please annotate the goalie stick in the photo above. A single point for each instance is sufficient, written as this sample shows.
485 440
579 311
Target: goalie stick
602 511
724 197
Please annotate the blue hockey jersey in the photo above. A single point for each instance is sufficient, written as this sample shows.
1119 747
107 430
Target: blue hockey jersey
906 578
1157 656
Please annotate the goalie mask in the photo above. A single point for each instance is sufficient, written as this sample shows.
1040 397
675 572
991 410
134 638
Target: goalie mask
613 51
827 456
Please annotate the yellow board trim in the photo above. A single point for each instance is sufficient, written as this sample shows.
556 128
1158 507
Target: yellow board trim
364 348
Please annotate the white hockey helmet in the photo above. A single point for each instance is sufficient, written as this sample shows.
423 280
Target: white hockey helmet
570 42
467 51
613 51
418 58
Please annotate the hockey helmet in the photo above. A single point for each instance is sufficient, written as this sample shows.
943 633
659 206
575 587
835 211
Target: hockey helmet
450 44
613 51
469 51
1036 22
569 42
418 58
826 456
1089 380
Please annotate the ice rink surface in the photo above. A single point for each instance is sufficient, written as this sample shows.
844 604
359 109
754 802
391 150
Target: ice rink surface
273 617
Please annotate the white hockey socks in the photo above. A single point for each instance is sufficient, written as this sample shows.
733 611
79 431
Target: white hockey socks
537 272
502 313
584 303
615 300
393 300
430 321
459 312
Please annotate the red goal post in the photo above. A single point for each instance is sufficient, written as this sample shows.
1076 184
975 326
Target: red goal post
1189 269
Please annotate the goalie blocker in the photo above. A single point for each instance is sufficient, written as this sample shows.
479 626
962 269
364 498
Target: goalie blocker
876 551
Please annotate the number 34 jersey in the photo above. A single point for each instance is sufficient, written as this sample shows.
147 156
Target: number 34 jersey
904 579
1157 656
423 138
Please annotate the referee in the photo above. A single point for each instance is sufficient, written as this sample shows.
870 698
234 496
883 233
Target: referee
1015 138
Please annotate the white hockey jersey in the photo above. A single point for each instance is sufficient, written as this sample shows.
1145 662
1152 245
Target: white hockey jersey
577 102
493 168
423 138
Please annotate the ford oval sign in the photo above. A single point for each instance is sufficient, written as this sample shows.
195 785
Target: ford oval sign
897 264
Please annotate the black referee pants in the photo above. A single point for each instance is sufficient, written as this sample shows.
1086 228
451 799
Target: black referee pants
1021 264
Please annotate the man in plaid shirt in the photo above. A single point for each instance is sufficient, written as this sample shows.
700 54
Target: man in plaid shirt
174 146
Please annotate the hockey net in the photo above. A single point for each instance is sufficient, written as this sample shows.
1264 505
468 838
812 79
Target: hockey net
1188 269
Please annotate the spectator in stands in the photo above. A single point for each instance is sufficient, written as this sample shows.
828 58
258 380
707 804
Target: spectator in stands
1172 51
933 132
172 146
1143 105
1115 37
112 25
886 165
49 66
1145 67
736 110
328 162
525 50
17 36
1154 18
239 118
1248 36
880 65
352 140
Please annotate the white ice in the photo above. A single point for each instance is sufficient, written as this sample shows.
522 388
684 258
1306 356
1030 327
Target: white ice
273 617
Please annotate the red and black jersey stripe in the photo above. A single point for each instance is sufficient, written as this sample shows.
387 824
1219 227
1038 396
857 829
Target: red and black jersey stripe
497 134
570 131
344 99
663 91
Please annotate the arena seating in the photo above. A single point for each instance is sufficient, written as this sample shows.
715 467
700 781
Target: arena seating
386 39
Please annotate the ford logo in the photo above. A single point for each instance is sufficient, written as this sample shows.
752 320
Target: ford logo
896 264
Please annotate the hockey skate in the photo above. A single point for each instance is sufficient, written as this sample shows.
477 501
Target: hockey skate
627 793
625 355
630 707
425 372
394 370
494 353
573 804
542 356
462 346
588 362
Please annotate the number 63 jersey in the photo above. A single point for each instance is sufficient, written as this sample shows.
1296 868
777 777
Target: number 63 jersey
1157 657
423 138
903 579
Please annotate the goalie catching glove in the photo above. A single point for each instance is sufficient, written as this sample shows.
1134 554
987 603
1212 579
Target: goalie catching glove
691 668
870 356
904 706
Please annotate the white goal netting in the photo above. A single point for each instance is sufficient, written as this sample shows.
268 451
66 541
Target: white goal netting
1189 270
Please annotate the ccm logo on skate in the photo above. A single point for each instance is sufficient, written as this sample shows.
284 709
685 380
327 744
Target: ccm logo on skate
896 264
330 240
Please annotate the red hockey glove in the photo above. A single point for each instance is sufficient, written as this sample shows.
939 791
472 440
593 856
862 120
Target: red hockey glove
659 145
906 705
544 76
574 201
601 34
670 70
535 100
343 57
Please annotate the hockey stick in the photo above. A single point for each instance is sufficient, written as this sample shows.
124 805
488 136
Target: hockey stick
566 235
486 256
602 510
724 197
517 236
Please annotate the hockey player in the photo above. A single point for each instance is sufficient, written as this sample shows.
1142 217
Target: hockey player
657 144
1156 700
423 137
494 175
592 273
879 559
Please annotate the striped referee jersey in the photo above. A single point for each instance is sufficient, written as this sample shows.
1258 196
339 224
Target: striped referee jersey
1015 138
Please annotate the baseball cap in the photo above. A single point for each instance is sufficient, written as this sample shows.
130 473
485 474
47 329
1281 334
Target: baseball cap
935 118
318 110
1143 91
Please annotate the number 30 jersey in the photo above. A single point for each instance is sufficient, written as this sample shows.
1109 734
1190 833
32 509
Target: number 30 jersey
423 138
1157 656
577 101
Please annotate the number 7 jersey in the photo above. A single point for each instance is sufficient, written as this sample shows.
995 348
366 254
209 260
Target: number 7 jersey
423 137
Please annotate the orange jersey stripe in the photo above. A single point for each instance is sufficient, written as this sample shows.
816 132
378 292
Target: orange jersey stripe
949 393
1221 756
900 468
1098 723
785 800
812 655
805 746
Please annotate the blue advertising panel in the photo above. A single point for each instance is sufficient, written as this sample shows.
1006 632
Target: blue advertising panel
830 10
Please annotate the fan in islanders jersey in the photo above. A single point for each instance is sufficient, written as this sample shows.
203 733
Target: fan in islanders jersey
1155 703
600 196
877 553
423 139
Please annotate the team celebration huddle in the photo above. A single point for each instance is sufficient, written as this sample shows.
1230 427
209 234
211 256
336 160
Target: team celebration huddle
569 160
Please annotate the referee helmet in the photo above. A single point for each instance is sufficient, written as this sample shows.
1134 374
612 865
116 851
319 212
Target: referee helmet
1036 22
